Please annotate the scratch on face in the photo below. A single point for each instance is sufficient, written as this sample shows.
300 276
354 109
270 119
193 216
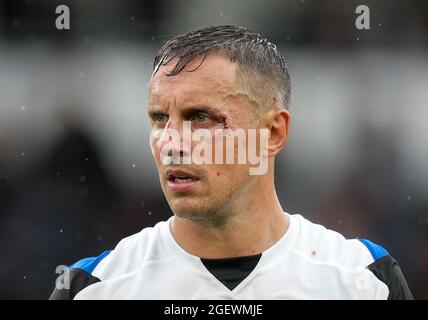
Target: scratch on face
223 120
224 123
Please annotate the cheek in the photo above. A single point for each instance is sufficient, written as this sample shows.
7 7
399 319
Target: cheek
155 145
225 180
227 175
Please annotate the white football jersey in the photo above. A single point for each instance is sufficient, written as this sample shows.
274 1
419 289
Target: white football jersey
308 262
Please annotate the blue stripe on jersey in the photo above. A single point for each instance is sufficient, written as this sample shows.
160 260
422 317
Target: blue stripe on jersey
89 264
376 250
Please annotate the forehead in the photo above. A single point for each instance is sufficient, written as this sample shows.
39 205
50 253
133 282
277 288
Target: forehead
203 81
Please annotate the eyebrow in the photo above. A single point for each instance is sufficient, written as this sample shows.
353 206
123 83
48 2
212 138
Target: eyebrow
153 110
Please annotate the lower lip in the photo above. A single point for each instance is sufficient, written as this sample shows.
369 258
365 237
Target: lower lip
178 187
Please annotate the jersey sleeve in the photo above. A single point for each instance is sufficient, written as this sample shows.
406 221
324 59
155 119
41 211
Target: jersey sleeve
387 270
76 278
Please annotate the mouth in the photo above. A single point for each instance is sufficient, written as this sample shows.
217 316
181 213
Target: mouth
180 180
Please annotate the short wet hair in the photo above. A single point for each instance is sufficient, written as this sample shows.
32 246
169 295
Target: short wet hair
262 68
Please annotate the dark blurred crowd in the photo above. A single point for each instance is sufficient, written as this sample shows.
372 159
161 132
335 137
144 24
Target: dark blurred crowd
64 210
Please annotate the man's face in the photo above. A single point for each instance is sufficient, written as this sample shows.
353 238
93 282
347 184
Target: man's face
210 98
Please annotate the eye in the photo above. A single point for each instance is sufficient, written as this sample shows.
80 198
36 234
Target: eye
201 117
160 118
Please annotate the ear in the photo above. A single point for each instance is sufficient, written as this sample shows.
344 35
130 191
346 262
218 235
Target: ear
278 122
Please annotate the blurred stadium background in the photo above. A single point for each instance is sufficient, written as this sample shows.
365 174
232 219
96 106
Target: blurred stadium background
76 171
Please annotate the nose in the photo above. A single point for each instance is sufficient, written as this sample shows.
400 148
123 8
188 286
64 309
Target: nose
174 140
169 131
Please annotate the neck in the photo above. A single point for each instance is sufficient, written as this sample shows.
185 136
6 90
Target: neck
257 222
